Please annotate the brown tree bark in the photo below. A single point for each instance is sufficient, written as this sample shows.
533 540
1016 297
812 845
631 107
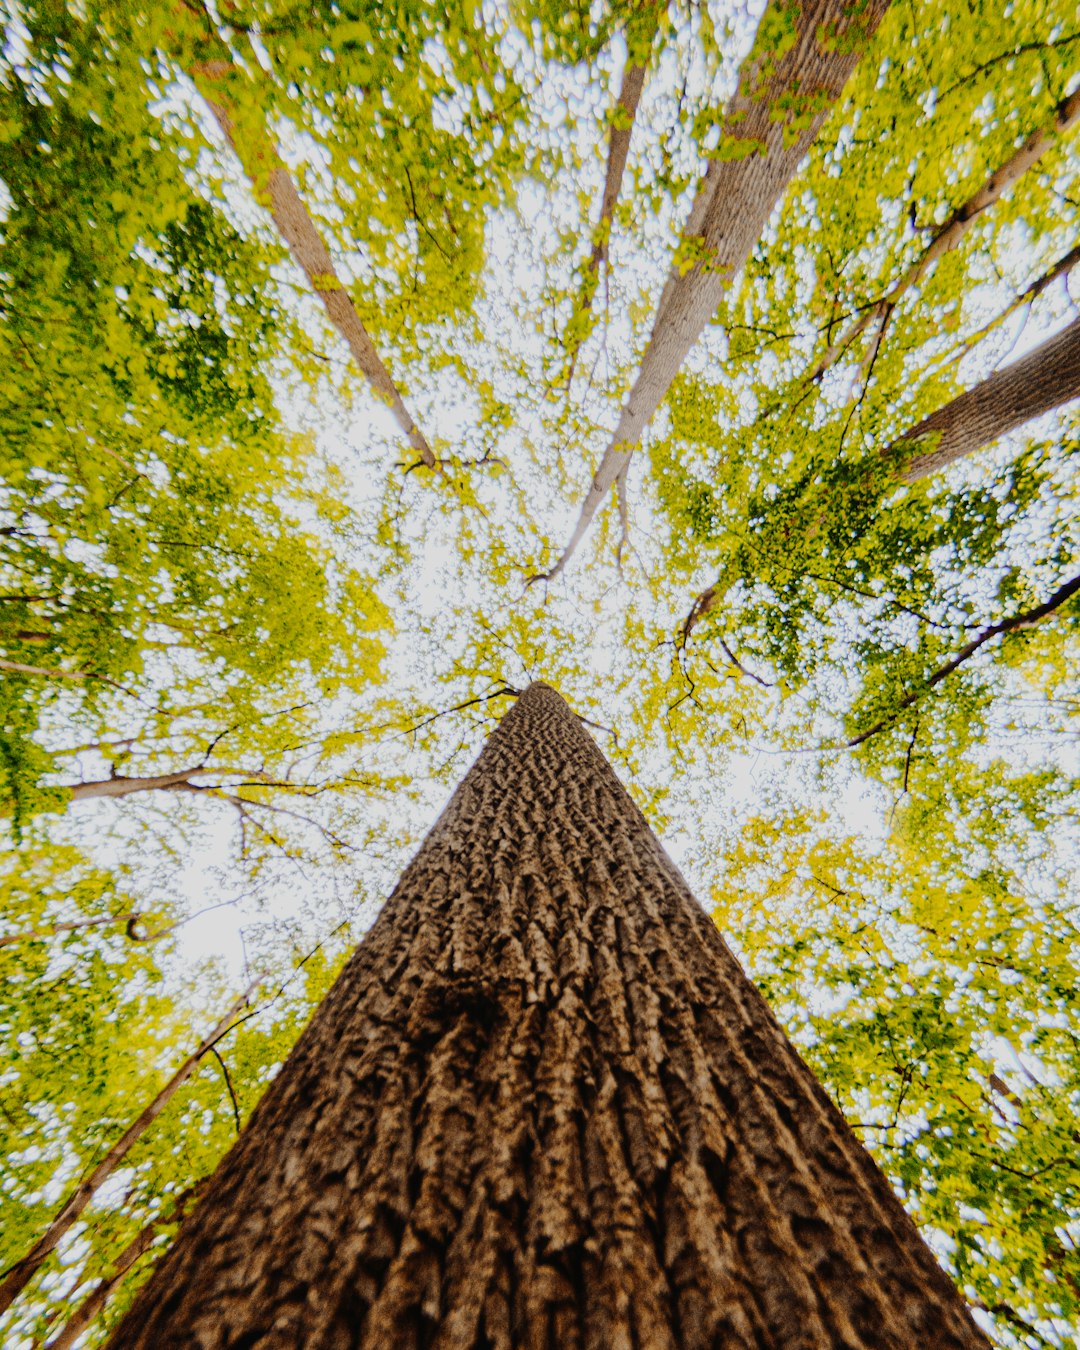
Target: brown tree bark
543 1107
1040 381
768 126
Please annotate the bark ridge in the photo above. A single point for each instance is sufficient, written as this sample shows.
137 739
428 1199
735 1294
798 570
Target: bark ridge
543 1107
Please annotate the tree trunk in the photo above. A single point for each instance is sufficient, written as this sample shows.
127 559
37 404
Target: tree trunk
543 1107
1042 380
947 236
639 38
274 186
768 126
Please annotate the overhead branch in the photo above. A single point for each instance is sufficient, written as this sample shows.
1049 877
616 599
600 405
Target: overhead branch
505 691
275 188
765 132
622 127
948 235
1028 619
179 780
54 673
91 1307
18 1276
131 922
1025 298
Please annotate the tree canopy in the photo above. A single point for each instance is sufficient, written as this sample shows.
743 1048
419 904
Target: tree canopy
362 365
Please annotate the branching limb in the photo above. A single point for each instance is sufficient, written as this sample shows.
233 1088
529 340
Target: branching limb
1028 619
94 1303
18 1276
506 691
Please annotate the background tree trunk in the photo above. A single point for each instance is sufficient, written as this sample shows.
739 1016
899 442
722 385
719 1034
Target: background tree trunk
639 36
768 126
543 1107
18 1276
1044 379
274 185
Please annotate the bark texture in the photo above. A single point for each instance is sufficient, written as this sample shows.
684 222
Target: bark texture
543 1107
1044 379
769 124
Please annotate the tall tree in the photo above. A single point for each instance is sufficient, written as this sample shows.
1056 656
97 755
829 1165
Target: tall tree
802 57
543 1106
1038 382
641 30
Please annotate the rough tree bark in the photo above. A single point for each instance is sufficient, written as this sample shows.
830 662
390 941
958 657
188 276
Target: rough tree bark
543 1107
769 124
1040 381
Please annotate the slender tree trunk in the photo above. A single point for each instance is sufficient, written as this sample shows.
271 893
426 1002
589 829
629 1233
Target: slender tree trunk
18 1276
948 235
640 35
1040 381
273 184
92 1306
768 126
543 1107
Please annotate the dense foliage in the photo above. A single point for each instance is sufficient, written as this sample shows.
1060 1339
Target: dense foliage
247 641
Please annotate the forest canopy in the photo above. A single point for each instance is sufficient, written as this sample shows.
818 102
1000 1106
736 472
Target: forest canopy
717 365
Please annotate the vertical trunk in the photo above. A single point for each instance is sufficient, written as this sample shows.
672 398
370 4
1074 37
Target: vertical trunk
1044 379
803 57
633 80
948 235
543 1107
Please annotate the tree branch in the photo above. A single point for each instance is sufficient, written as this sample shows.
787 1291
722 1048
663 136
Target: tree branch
1026 620
946 238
